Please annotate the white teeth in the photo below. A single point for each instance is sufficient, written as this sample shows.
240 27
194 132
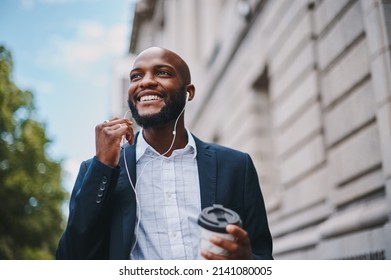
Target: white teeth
149 97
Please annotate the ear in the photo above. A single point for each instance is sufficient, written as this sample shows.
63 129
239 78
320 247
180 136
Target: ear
191 90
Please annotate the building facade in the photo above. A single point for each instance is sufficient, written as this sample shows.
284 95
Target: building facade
304 87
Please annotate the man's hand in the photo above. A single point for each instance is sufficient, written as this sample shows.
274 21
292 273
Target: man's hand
108 136
238 249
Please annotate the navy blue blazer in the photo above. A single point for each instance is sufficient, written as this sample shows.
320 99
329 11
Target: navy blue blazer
102 215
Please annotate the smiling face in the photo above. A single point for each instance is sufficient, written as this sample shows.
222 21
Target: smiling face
158 83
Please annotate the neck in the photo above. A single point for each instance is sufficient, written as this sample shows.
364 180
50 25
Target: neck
160 138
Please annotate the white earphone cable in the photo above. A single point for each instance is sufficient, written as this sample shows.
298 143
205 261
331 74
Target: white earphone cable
138 210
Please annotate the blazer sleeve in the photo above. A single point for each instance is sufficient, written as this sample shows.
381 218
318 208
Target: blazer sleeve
255 219
87 231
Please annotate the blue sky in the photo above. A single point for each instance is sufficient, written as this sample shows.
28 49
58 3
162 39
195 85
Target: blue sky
63 52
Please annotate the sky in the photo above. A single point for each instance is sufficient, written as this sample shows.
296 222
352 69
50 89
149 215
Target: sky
63 51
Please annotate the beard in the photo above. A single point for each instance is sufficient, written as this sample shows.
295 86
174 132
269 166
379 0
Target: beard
169 112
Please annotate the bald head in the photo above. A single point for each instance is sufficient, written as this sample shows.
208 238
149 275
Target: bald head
159 87
168 57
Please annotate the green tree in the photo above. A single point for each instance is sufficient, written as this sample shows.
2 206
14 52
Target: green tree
31 190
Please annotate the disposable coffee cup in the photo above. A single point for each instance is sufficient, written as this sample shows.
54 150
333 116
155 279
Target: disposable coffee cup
213 221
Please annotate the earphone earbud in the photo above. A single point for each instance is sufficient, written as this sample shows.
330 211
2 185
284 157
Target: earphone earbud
174 131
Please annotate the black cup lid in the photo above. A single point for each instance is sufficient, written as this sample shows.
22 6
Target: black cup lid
216 218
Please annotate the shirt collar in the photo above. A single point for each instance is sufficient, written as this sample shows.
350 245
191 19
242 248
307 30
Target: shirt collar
142 146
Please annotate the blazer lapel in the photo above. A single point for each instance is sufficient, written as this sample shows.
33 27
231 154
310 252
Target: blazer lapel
207 171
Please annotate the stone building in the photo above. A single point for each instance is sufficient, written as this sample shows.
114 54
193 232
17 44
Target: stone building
304 87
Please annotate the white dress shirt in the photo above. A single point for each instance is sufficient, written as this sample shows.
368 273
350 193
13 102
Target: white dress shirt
169 200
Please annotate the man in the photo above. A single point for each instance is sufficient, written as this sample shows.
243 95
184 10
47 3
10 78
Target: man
142 201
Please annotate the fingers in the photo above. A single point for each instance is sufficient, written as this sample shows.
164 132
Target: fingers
113 130
119 127
108 137
231 246
116 123
210 256
238 248
240 235
130 138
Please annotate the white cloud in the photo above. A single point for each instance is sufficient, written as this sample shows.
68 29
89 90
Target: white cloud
91 30
28 4
89 53
37 86
118 39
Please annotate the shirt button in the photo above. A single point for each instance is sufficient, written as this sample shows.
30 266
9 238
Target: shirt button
98 200
104 180
102 187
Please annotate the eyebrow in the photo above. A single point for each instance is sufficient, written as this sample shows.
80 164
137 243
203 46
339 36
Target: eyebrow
158 66
164 65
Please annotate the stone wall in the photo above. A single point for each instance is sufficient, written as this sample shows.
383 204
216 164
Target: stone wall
305 88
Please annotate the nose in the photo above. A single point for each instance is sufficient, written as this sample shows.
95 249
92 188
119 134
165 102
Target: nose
148 81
